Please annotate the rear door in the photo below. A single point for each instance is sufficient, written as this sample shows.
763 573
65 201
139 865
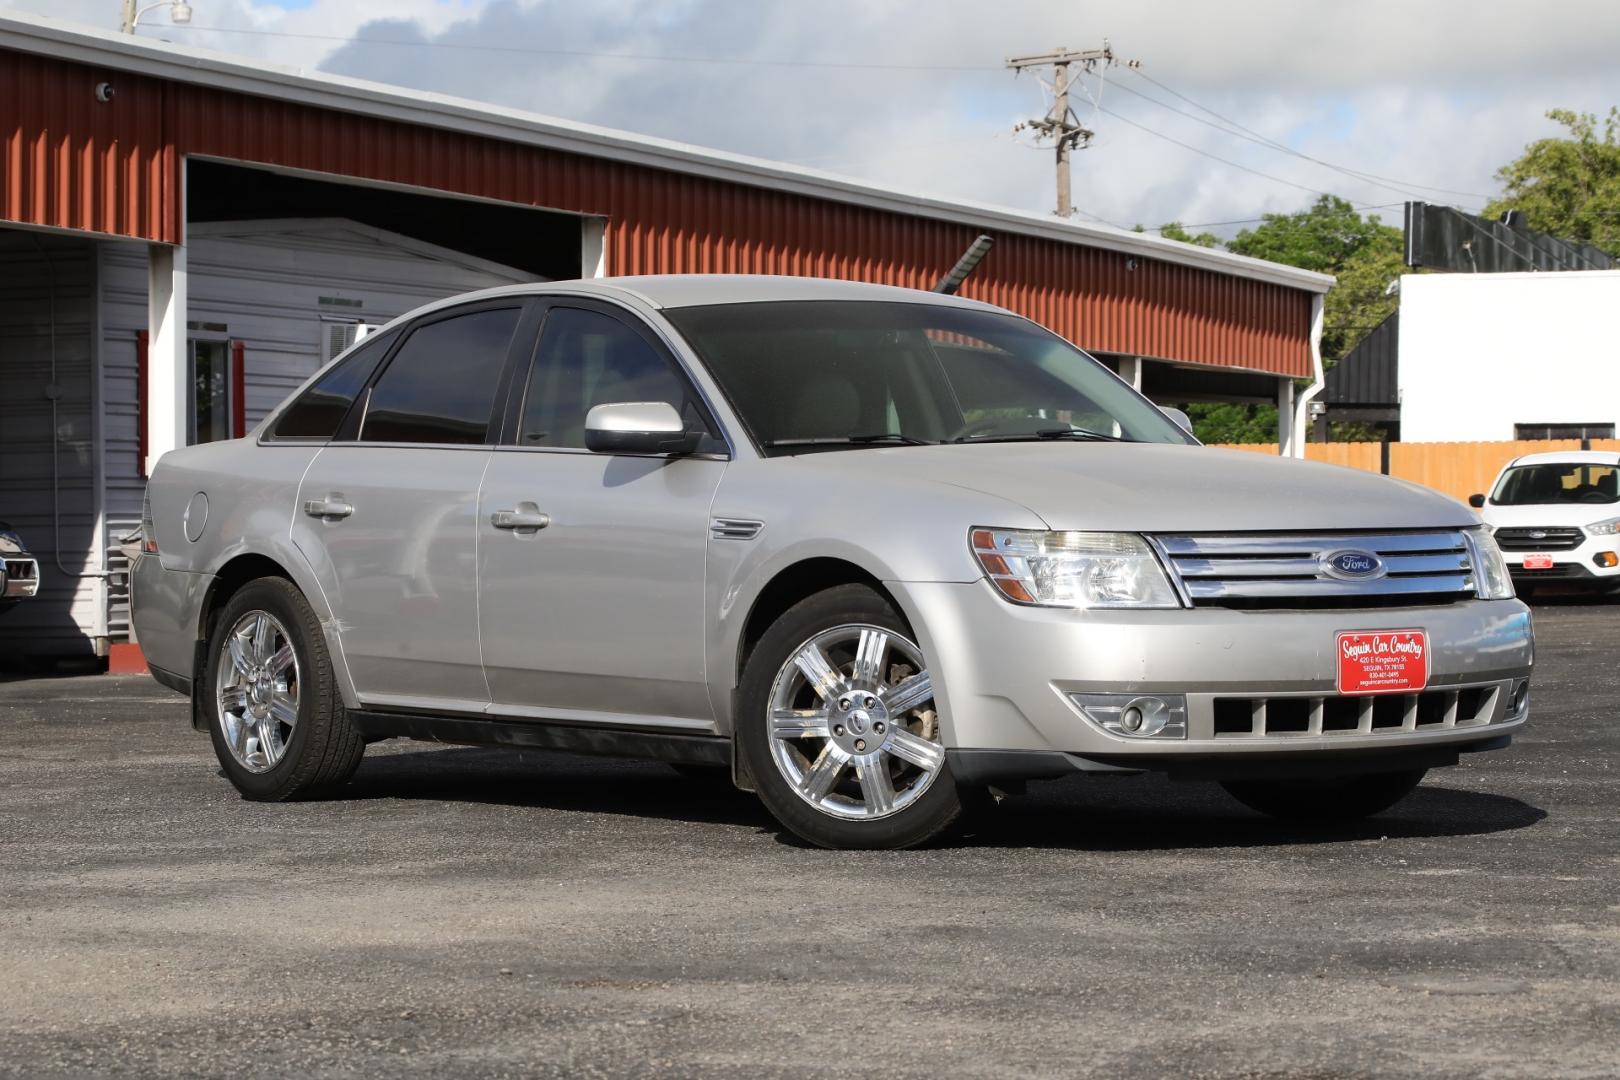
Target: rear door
387 513
598 613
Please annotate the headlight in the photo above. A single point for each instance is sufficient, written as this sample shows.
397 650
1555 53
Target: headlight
1491 580
1073 569
1604 528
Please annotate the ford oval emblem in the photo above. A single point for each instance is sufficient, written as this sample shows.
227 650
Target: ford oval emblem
1352 565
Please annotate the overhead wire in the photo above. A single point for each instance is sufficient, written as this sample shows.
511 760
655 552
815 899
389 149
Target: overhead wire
1242 132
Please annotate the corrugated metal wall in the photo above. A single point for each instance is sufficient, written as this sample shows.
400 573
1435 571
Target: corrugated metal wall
73 162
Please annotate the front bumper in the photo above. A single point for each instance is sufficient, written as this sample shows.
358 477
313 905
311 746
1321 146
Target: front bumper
1004 673
1577 566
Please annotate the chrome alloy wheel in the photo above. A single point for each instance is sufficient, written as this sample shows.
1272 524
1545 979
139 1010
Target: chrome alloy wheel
257 683
853 727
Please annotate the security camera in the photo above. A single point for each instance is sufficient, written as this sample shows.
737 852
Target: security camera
104 92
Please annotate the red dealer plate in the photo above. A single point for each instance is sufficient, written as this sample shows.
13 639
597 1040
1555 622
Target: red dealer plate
1538 562
1382 661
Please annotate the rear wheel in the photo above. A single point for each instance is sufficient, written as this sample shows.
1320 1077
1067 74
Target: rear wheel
277 722
1345 798
838 725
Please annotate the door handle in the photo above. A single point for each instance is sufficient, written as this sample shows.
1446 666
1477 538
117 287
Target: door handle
333 506
527 518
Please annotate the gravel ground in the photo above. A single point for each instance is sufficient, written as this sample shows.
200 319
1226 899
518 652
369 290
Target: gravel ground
471 913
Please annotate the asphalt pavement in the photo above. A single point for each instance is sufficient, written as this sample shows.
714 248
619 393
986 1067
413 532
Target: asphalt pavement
477 913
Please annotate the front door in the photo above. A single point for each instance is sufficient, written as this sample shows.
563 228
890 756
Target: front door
591 565
388 518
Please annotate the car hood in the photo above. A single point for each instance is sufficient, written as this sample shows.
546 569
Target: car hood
1136 487
1556 514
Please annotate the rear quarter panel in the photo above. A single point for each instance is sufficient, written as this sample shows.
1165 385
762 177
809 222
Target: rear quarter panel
251 491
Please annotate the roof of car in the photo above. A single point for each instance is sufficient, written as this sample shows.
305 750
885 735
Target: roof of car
692 290
1593 457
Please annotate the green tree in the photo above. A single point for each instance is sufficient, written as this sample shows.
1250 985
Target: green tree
1232 422
1332 238
1321 238
1173 230
1569 187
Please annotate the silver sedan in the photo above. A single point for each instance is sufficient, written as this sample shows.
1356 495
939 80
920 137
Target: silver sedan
873 552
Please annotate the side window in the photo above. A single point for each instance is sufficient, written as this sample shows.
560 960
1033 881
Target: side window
440 386
320 410
586 359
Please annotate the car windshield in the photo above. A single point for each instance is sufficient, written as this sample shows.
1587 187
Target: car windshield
1557 482
819 375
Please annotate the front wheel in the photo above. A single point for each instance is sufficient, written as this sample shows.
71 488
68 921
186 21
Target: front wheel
838 725
1345 798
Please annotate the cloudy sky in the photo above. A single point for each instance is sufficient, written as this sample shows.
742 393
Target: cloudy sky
1422 99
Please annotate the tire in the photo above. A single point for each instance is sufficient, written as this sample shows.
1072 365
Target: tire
851 776
1347 798
274 714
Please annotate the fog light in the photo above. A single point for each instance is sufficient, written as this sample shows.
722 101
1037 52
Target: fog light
1138 716
1519 706
1606 559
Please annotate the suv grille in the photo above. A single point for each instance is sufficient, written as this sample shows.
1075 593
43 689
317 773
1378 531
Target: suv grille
1551 538
1280 717
1293 570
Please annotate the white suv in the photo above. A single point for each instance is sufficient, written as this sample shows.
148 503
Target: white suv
1556 517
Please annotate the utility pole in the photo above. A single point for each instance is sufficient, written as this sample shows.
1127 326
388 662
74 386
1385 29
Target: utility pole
1060 124
128 25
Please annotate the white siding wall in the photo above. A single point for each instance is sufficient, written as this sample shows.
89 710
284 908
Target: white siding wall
264 281
1480 353
63 617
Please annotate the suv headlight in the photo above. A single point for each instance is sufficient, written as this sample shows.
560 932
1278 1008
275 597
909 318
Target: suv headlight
1073 569
1491 578
1603 528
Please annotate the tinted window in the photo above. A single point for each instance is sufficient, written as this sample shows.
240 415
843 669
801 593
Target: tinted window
320 409
586 359
828 373
1558 482
441 384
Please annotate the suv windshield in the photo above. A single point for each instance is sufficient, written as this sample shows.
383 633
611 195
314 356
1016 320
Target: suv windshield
835 374
1557 482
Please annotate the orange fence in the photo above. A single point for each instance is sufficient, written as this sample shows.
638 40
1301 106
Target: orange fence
1455 469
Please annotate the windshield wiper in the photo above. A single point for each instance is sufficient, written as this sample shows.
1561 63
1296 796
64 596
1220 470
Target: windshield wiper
1044 433
852 440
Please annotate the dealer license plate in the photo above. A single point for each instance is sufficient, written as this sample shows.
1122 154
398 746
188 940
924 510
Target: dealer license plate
1538 562
1382 661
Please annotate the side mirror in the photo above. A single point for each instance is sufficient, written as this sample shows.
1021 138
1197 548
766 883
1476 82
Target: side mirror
1182 420
638 427
1476 501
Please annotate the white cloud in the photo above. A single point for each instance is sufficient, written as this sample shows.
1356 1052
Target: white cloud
1437 93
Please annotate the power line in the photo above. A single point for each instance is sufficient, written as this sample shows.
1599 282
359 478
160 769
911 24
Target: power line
1253 220
1243 132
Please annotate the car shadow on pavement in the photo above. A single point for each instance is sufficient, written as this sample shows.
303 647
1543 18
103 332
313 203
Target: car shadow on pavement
1147 813
554 780
1154 814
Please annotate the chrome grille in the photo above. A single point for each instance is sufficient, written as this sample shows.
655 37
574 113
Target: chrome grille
1282 717
1291 570
1546 538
